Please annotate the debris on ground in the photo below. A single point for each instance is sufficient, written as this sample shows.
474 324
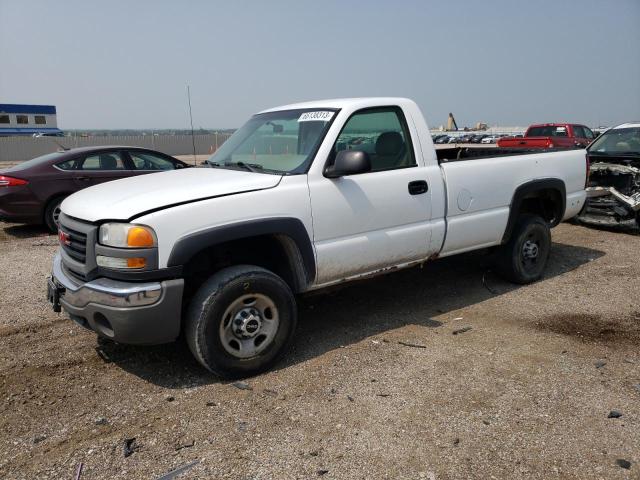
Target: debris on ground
178 471
184 443
413 345
242 386
600 364
614 414
621 462
129 446
461 330
79 471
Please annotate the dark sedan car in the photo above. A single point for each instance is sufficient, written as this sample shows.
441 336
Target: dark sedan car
32 191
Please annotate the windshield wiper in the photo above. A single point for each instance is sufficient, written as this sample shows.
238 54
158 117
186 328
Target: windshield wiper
251 167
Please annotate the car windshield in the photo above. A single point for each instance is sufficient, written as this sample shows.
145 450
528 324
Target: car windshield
281 142
617 141
36 161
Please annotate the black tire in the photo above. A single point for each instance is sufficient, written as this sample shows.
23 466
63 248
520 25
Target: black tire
523 259
208 319
51 213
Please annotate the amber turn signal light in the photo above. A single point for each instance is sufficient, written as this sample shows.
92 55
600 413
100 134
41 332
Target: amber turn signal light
139 237
136 262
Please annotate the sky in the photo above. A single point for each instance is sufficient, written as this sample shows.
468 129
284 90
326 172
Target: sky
126 64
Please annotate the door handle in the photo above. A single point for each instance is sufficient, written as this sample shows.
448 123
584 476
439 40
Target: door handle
83 179
418 186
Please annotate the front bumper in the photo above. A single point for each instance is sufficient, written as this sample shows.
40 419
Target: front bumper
126 312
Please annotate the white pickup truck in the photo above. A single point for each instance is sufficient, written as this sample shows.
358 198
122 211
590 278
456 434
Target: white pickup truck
301 197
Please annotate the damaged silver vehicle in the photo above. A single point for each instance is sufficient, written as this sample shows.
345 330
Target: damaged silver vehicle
613 192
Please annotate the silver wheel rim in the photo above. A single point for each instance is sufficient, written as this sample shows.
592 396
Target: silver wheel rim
249 325
56 215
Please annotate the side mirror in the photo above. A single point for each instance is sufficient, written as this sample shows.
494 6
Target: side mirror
349 162
178 165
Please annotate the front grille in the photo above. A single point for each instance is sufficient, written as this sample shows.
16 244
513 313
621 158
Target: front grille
78 247
78 254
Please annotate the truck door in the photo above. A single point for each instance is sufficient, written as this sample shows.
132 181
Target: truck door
374 220
580 135
579 139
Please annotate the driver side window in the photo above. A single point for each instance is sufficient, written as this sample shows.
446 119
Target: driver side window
381 133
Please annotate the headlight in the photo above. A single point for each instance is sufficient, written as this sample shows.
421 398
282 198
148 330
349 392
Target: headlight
126 235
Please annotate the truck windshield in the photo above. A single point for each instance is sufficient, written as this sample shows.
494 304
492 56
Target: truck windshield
281 142
618 141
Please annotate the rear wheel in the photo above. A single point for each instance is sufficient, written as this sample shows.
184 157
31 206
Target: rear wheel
524 258
52 214
241 321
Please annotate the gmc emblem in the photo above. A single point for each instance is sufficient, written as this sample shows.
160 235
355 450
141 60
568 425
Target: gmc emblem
65 238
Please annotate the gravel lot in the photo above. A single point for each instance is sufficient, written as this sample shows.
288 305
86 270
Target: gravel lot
377 385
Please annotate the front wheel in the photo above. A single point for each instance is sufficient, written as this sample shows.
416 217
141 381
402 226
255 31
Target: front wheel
52 214
524 258
240 321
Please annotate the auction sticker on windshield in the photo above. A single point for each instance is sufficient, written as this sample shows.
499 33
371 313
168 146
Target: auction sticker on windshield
321 116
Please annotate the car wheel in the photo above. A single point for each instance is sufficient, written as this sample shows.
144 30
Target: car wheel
524 258
240 321
52 214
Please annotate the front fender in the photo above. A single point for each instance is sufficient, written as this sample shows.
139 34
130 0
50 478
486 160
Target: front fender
187 246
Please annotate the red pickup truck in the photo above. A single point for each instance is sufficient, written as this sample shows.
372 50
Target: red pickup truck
551 135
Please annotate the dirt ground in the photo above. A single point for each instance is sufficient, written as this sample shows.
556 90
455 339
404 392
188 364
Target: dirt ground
378 384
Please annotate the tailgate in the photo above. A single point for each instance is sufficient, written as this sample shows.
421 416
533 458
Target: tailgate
526 142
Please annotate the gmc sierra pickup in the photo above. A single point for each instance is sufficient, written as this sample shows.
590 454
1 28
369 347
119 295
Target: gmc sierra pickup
301 197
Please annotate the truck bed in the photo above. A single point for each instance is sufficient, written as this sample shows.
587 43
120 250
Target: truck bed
456 154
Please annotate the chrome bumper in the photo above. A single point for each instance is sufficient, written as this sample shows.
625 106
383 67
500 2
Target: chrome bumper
104 291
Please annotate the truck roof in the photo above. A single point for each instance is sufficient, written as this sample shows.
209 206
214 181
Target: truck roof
363 102
555 124
628 125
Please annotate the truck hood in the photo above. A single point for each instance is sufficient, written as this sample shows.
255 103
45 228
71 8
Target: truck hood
130 197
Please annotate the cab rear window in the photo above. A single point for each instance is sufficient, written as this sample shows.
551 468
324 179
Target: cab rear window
547 132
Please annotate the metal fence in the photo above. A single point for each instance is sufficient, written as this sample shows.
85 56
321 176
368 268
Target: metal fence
18 149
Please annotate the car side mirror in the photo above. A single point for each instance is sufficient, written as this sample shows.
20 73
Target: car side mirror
349 162
179 165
